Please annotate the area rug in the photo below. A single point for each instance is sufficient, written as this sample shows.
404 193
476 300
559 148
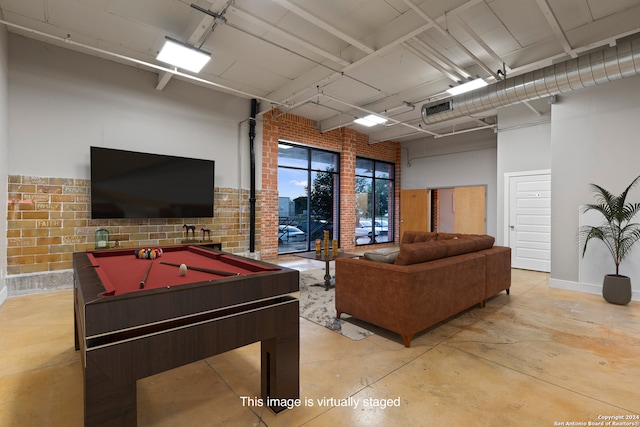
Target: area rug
318 306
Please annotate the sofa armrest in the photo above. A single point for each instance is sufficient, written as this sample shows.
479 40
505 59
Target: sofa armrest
498 270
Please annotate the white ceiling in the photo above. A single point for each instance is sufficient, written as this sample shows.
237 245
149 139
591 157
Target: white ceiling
334 60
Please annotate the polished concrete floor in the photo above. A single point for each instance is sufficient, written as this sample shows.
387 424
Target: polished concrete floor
537 357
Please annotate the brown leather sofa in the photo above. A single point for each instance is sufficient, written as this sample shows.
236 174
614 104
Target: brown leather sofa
431 277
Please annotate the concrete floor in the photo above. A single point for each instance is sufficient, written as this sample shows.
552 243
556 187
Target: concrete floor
537 357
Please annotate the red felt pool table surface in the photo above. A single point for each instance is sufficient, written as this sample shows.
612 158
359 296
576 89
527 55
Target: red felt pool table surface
121 272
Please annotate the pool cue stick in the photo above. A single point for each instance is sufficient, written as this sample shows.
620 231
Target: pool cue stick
204 270
146 275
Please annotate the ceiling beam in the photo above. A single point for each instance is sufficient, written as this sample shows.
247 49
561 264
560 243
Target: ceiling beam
392 35
286 35
388 37
432 62
307 16
163 79
555 26
446 62
479 40
448 35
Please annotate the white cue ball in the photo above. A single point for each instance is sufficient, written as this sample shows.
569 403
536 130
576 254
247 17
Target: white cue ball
183 269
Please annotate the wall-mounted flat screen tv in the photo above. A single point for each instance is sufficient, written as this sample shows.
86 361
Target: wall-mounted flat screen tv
128 184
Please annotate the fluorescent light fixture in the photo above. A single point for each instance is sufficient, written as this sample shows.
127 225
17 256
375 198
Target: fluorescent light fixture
467 87
370 120
182 55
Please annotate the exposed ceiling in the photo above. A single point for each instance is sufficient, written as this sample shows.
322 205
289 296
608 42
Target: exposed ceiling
334 60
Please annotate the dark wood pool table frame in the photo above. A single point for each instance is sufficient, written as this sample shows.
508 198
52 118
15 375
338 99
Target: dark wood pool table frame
127 337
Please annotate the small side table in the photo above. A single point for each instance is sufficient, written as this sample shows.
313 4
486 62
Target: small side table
328 281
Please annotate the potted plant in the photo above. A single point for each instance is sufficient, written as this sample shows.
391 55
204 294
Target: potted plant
618 234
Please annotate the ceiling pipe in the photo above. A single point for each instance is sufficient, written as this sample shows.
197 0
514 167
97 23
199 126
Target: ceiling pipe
605 65
457 132
357 107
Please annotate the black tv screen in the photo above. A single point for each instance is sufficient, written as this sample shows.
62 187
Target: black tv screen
128 184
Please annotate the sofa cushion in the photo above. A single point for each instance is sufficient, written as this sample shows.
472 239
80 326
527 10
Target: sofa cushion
418 236
449 236
415 253
387 255
483 241
459 246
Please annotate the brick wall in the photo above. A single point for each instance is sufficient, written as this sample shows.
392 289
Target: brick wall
435 197
349 143
49 219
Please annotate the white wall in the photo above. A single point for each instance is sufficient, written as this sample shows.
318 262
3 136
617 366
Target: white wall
595 138
4 163
524 144
62 102
456 161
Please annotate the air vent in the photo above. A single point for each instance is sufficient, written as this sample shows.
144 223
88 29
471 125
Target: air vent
428 110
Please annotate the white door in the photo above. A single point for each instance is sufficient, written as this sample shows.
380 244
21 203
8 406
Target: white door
530 221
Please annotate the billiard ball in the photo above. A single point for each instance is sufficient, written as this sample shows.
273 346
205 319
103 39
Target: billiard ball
182 270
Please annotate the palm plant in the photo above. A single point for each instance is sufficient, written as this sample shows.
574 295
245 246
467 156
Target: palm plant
617 231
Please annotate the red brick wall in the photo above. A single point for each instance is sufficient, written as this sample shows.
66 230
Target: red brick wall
435 195
347 142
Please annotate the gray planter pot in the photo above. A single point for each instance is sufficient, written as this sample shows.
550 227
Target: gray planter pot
616 289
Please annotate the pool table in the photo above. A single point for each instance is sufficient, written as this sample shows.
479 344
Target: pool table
127 331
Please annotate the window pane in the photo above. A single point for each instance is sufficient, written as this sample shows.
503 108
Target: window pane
374 201
364 167
292 209
308 197
323 206
384 170
323 161
289 155
364 211
383 216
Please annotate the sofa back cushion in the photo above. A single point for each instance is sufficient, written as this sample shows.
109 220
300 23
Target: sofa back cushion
450 245
459 246
449 236
483 241
415 253
418 236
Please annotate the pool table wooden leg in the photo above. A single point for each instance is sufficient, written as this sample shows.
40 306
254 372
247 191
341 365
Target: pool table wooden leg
106 402
281 357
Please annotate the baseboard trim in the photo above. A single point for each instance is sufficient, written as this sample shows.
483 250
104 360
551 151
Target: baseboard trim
585 288
24 284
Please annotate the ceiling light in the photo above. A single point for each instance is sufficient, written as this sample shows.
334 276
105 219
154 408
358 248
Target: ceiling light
467 87
183 55
370 120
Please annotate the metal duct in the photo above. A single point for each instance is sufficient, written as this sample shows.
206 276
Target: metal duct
606 65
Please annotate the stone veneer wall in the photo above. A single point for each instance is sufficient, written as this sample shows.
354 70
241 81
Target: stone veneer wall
49 219
345 141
